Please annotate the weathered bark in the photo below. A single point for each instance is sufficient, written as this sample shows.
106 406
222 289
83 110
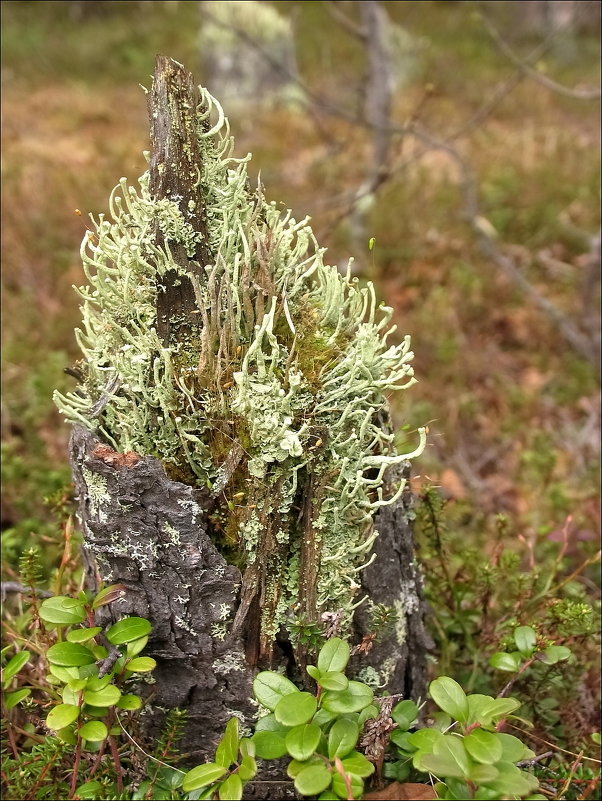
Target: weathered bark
150 534
153 534
175 167
394 580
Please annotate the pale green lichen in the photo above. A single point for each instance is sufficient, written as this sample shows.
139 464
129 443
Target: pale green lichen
282 385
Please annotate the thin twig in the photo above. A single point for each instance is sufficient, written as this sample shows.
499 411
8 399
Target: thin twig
524 67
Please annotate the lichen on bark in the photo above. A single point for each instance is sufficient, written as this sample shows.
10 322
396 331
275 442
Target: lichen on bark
267 391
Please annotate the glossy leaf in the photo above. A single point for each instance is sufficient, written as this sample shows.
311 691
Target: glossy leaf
12 699
89 790
313 779
555 653
62 611
61 716
134 647
370 711
333 680
424 739
94 731
270 687
357 696
302 741
513 750
202 775
227 749
340 786
129 702
13 666
450 697
333 656
269 723
269 744
357 764
141 664
507 662
484 746
230 789
83 635
96 683
342 738
128 629
108 696
525 639
511 781
404 714
313 671
295 709
247 769
70 654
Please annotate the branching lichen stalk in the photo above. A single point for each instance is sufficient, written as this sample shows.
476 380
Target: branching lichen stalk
276 402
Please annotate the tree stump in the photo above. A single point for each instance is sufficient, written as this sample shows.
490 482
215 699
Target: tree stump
217 601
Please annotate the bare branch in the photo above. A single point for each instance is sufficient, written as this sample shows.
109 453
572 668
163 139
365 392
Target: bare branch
346 22
526 69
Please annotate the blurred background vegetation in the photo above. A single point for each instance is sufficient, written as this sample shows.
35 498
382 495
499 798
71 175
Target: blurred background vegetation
484 214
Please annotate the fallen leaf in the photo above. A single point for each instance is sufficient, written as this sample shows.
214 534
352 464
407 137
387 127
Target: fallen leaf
403 792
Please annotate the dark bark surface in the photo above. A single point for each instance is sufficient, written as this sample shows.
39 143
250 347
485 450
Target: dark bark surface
394 579
149 534
173 106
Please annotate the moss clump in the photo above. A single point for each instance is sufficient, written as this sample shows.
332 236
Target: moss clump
276 404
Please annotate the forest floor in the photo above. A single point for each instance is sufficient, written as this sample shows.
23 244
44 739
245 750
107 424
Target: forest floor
513 411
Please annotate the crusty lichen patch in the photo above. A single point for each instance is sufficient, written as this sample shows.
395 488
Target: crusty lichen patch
281 396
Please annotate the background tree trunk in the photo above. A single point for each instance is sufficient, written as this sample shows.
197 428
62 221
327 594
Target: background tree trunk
150 533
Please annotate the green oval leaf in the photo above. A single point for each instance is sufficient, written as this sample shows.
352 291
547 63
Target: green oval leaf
231 789
333 656
525 639
96 683
17 663
483 746
358 765
133 648
89 790
508 662
269 723
342 738
424 739
12 699
450 697
313 671
62 611
404 714
70 654
141 664
128 629
108 696
353 699
227 749
340 787
554 654
333 680
269 744
83 635
270 687
61 716
302 741
202 775
247 768
129 702
312 779
295 709
513 749
94 731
